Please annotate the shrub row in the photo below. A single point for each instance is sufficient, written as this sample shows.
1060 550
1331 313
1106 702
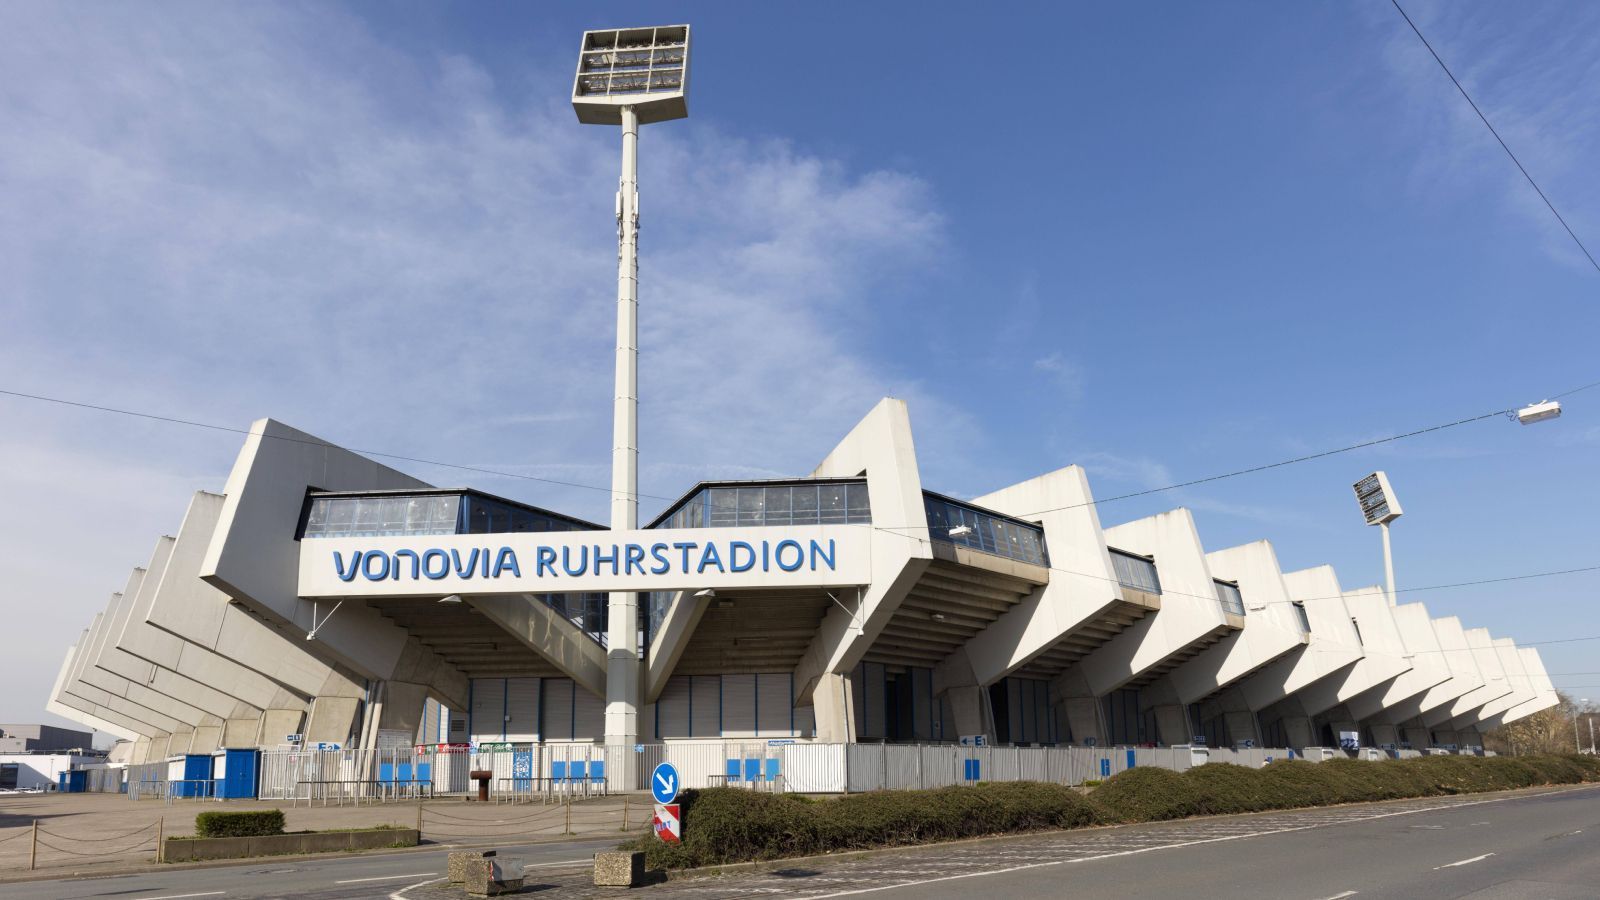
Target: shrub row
258 823
727 825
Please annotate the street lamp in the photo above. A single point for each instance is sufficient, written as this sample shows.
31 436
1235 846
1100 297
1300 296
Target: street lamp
628 77
1380 507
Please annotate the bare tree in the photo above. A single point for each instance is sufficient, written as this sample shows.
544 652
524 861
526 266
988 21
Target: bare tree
1547 731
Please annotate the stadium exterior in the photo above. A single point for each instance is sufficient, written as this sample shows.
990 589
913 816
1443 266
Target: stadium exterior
850 606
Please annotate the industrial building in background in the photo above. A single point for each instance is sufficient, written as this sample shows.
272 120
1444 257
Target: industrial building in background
326 619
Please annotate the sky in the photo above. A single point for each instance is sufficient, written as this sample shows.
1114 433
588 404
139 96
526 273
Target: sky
1160 241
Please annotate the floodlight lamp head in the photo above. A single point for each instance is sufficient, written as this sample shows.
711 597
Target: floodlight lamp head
645 68
960 530
1378 503
706 594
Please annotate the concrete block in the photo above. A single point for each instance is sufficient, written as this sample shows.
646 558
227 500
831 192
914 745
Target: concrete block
619 868
457 868
484 878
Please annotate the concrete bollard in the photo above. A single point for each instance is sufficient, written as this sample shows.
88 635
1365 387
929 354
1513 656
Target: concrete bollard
619 868
457 868
485 878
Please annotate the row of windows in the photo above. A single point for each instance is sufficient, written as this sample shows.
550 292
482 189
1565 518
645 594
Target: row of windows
392 514
984 531
818 503
1135 572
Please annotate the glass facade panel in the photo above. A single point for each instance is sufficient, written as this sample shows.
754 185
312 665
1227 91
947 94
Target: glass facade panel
812 503
590 612
1135 571
416 514
990 532
1229 597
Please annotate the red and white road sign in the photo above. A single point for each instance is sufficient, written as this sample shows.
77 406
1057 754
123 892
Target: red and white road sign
667 825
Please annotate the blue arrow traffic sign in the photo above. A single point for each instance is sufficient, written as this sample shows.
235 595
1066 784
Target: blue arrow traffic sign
664 783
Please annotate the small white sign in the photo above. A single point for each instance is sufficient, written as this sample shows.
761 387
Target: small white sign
974 740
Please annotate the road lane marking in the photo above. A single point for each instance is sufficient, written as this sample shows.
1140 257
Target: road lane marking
1433 827
180 896
1342 896
401 894
1463 862
559 862
1233 837
386 878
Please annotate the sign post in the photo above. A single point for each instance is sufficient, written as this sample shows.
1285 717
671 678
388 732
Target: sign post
664 784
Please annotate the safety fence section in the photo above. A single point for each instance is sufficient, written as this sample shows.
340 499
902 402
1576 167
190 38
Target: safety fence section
559 773
34 846
466 823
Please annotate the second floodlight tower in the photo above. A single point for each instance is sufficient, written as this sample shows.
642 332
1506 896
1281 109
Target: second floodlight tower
628 77
1379 507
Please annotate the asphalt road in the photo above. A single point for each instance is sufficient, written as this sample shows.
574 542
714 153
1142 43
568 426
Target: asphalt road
331 877
1542 845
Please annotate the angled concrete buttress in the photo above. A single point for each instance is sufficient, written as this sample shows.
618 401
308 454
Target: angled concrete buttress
254 558
879 447
1215 682
1383 659
1380 711
1189 619
1333 647
1056 624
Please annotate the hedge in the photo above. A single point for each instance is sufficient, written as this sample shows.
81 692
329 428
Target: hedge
725 825
728 825
259 823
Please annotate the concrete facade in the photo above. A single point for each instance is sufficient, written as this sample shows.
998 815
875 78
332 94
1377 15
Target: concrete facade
1017 616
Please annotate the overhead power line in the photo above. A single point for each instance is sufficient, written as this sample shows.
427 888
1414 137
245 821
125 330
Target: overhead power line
1503 146
210 426
318 443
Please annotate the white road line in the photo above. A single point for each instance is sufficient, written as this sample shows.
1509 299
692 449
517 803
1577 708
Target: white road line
1463 862
179 896
1234 837
562 862
1342 896
401 894
1434 827
386 878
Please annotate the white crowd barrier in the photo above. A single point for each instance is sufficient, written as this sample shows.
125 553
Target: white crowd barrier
562 771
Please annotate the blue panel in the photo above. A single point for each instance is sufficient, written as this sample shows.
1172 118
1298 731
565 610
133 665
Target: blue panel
240 773
425 772
558 770
733 771
575 770
386 773
597 771
773 769
404 773
1105 767
1130 759
752 770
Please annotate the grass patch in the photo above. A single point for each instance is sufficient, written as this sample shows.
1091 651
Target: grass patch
730 825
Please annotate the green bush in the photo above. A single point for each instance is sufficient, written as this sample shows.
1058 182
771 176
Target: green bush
259 823
727 825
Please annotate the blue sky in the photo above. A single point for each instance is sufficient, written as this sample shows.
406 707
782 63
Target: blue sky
1161 241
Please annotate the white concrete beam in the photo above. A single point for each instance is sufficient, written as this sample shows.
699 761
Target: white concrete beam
1400 698
1082 583
880 448
1383 653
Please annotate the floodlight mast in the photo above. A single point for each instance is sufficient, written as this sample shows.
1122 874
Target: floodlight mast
626 77
1380 507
